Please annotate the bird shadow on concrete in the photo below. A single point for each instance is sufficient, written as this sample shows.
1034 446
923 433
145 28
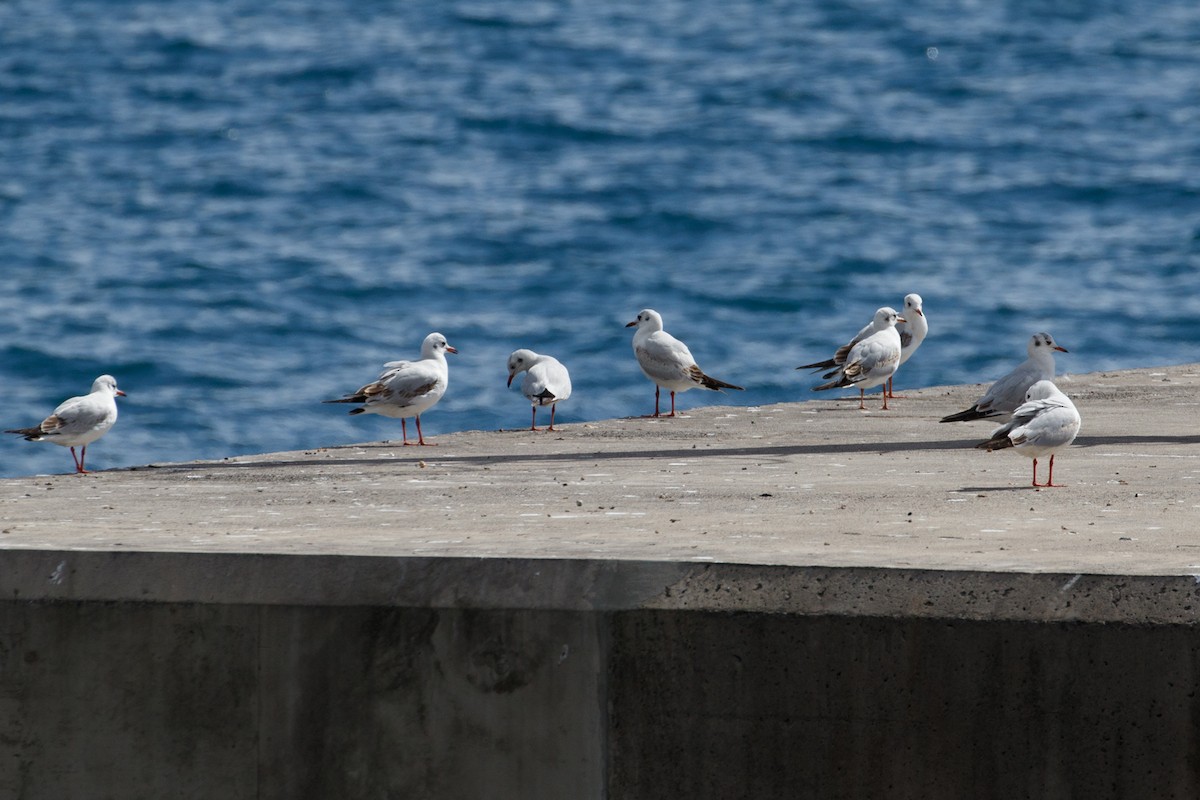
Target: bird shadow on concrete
443 457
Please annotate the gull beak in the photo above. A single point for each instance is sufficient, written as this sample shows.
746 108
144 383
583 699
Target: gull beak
121 394
631 324
919 311
1061 349
902 319
510 377
450 349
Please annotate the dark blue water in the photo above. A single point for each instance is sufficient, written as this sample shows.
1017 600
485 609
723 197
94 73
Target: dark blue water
241 208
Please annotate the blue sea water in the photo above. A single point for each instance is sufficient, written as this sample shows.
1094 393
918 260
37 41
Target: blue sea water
242 208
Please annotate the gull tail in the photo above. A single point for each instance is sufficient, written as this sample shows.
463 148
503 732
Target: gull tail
546 397
30 434
709 382
997 442
966 416
826 364
836 383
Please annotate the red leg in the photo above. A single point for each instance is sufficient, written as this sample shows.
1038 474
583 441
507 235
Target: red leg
533 424
79 470
552 407
672 405
403 431
885 398
1035 483
862 406
657 392
420 438
1050 480
889 388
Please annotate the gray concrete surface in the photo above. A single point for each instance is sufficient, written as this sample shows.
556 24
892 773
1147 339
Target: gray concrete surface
819 485
801 600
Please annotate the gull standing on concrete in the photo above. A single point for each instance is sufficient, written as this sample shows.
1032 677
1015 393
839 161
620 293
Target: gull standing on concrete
999 402
872 361
407 388
912 330
1044 424
877 323
667 361
79 421
546 382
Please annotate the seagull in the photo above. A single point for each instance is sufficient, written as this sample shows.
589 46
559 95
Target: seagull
667 361
1007 393
79 420
546 381
877 323
912 330
407 388
872 361
1046 423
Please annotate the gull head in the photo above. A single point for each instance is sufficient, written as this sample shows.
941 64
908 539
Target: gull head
107 383
519 361
887 317
912 304
435 344
647 318
1043 340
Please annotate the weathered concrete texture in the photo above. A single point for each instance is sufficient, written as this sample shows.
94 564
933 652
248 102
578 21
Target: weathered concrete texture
738 705
149 701
136 701
800 600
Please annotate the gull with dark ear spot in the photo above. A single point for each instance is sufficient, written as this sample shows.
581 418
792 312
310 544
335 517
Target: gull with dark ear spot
872 361
1003 397
1044 424
667 361
912 330
79 421
407 388
546 382
878 322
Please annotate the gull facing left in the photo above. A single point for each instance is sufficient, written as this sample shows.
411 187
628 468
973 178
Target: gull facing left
667 361
79 421
1044 424
546 382
407 388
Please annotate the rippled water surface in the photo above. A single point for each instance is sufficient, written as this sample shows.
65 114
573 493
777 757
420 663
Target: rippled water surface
240 209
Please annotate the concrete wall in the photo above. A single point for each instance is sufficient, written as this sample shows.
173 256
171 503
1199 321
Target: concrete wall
184 700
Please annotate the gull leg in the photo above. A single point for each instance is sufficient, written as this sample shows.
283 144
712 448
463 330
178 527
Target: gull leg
420 438
533 424
79 470
1035 483
1050 480
862 406
403 431
885 398
672 405
553 406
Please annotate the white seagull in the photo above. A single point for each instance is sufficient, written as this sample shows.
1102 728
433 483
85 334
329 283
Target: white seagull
1007 393
546 382
1045 423
667 361
79 421
878 322
872 361
912 330
407 388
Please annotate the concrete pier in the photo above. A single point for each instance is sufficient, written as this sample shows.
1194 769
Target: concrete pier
800 600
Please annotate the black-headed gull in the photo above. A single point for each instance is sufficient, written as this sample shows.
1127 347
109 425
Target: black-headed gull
407 388
79 421
546 382
878 322
912 330
872 361
1003 397
667 361
1044 424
